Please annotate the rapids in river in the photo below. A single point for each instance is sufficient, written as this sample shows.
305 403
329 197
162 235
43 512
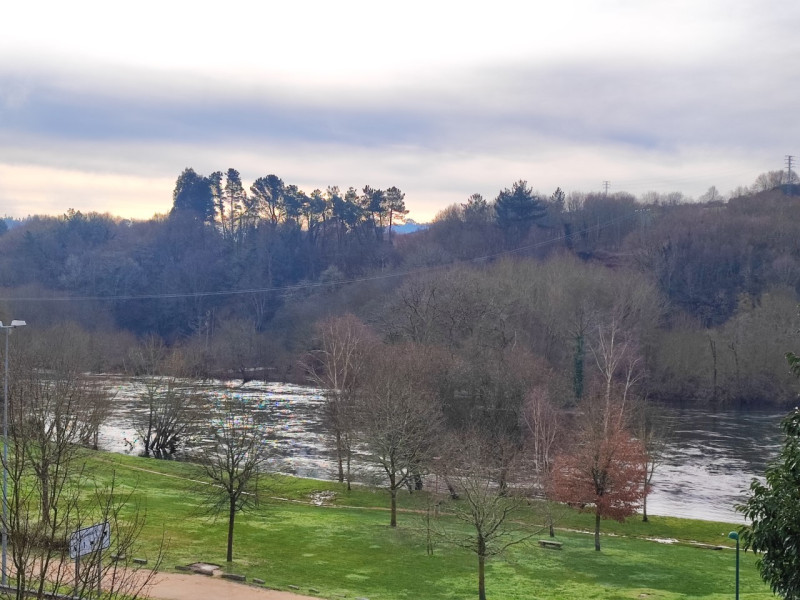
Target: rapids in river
708 463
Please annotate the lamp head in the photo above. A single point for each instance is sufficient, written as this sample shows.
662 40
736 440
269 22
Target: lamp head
14 323
734 536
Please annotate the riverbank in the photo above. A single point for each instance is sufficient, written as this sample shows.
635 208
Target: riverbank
314 535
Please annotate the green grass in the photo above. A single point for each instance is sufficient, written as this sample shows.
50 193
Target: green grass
348 549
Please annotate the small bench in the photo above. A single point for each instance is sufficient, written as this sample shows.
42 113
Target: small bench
551 544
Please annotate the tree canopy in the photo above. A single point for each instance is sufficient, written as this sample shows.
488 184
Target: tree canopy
518 209
773 510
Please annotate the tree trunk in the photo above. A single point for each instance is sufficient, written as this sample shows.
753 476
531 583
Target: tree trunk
149 431
503 480
644 506
349 456
393 492
45 483
481 569
577 377
231 518
339 458
597 531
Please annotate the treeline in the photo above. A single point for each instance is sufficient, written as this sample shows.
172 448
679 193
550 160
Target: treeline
705 292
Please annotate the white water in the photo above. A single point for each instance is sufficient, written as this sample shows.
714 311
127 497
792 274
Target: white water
708 463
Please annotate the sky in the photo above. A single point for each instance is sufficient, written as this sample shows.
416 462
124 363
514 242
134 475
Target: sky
103 104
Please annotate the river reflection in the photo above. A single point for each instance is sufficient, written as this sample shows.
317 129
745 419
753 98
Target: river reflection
709 460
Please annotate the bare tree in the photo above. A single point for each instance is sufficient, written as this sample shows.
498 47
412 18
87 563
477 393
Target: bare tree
94 412
114 571
338 367
232 462
171 408
651 427
48 498
482 504
495 384
543 428
235 347
40 551
400 416
54 408
171 412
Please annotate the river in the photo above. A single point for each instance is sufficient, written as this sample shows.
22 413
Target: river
707 464
709 461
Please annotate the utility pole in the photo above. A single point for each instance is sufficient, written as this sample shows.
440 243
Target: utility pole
606 185
789 183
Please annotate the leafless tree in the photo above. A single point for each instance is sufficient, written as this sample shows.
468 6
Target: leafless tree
650 426
481 504
544 429
171 409
616 357
399 415
235 347
542 422
48 482
94 411
40 551
54 407
232 463
338 367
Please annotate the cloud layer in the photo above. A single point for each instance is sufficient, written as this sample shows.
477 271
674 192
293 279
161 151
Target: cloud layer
659 95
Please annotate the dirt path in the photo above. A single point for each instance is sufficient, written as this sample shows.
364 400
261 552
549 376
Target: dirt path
180 586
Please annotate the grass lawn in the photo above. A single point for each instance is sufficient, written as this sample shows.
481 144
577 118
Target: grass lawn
347 549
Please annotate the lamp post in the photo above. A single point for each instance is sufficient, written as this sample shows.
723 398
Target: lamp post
8 328
735 536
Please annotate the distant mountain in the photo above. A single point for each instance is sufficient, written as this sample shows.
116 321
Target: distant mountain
409 226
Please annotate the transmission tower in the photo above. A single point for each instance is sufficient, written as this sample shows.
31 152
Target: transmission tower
606 185
789 181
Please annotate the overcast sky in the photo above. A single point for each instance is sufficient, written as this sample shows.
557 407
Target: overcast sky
103 104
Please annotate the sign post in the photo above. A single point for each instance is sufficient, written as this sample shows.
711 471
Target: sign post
87 541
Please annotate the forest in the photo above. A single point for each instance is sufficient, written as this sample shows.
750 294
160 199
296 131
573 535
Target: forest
695 301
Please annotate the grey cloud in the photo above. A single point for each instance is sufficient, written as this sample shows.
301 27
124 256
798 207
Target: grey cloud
502 111
204 117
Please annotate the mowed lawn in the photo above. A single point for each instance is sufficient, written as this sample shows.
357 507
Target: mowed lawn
345 548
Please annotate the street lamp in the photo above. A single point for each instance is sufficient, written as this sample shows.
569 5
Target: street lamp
735 536
8 328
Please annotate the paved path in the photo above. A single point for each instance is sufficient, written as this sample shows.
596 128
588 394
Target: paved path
180 586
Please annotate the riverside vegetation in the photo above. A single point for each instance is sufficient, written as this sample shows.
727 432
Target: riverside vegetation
345 547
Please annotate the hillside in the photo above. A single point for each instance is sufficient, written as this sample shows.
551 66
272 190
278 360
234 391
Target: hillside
705 292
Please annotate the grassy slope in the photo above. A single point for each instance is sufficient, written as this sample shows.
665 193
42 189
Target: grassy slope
348 549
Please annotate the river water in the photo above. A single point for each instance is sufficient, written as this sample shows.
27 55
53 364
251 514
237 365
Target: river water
709 461
707 465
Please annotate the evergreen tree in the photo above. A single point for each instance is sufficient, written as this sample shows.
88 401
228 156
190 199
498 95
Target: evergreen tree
193 193
774 512
517 209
